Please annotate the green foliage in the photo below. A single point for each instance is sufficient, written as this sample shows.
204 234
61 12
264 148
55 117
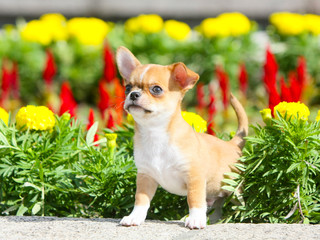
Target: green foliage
65 173
280 182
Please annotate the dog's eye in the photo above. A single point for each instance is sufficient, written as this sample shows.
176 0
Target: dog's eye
156 90
128 89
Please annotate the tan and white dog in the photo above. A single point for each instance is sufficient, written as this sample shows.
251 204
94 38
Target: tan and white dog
167 151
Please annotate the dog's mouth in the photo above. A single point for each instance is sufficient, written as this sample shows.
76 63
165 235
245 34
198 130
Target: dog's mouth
134 107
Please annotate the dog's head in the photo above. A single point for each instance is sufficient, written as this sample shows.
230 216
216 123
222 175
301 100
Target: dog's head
153 92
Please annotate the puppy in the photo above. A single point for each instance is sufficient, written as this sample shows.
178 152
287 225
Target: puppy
167 150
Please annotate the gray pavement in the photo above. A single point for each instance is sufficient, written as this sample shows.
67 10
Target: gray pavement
25 228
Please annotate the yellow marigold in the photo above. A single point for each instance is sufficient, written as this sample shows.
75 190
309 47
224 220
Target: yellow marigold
292 109
318 116
4 116
266 115
177 30
150 23
194 120
112 139
35 118
226 24
237 23
312 23
88 31
288 23
50 27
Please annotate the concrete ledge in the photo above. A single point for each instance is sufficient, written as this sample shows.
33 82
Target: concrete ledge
77 229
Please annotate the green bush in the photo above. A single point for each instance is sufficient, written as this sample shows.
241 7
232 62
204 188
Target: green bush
281 179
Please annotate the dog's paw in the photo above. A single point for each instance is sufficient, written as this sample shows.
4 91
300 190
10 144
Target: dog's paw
197 219
136 218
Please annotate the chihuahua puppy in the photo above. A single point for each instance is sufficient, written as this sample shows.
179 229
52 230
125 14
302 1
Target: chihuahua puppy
167 150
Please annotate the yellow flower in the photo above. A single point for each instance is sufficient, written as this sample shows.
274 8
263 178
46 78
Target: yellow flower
4 116
318 116
288 23
50 27
111 137
292 109
88 31
266 115
177 30
151 23
312 23
194 120
130 119
35 118
226 24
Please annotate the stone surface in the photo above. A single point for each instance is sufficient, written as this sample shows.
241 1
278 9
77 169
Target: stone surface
36 228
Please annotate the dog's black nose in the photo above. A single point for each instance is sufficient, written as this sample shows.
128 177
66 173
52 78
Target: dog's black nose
134 95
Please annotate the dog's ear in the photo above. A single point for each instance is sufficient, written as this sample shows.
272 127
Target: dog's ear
185 78
126 62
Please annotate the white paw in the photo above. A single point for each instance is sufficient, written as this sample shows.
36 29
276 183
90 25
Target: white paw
197 218
137 216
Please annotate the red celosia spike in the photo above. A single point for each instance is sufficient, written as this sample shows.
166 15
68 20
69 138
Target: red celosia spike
224 85
5 79
243 78
301 71
50 68
274 98
15 81
270 70
295 87
210 128
104 101
68 103
200 96
91 122
285 91
119 99
110 124
211 107
109 66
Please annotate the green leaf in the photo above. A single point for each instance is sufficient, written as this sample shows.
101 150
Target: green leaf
28 184
4 140
230 182
91 132
228 188
22 209
36 208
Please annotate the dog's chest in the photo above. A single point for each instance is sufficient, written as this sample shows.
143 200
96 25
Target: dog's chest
160 159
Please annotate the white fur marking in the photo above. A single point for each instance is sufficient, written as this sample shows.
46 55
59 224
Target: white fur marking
136 217
144 72
197 218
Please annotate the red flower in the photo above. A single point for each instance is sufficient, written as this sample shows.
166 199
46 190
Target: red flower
110 124
274 98
285 91
211 107
109 66
15 81
295 87
270 71
224 85
50 68
243 78
200 96
68 104
301 71
119 98
210 129
91 122
6 79
104 101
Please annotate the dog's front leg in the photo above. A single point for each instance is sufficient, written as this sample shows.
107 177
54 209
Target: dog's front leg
146 188
197 218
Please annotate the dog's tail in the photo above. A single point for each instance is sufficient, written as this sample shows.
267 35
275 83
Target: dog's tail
243 124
